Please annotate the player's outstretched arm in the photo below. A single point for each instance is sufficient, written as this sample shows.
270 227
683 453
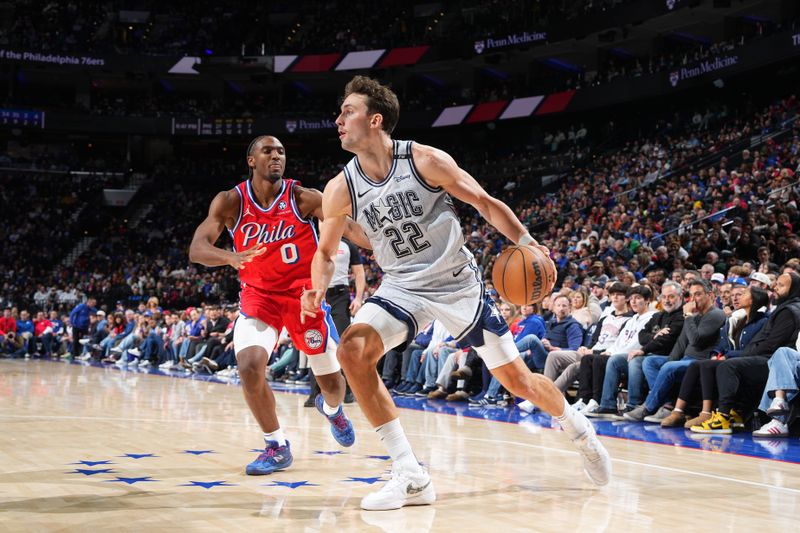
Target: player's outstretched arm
356 234
223 212
309 201
335 212
441 170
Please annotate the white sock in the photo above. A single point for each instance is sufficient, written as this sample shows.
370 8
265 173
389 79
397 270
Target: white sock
574 424
276 436
328 410
394 438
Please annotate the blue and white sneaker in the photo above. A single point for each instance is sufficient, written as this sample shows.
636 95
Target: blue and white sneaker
341 427
272 459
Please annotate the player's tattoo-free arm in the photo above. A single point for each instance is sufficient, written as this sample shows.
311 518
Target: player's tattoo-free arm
223 212
441 170
310 202
336 207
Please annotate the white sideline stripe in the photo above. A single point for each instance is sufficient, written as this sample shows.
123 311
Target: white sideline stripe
636 463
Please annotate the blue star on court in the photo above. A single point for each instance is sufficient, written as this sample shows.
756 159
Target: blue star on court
198 452
138 455
131 480
368 480
92 463
88 472
208 484
320 452
379 457
290 484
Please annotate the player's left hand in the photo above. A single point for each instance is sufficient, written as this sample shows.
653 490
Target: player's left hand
533 243
310 302
544 249
355 305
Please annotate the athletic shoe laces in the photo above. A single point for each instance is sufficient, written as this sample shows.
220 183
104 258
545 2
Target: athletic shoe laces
591 447
267 454
339 421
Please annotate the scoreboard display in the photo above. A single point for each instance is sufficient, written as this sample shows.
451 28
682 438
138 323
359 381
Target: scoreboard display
22 118
214 126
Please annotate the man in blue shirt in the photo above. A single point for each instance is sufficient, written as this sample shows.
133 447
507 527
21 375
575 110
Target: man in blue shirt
25 330
531 324
79 318
563 332
527 339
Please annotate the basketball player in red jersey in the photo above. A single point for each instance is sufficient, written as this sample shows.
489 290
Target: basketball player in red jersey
269 218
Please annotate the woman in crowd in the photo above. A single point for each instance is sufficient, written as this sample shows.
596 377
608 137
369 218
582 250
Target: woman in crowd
585 308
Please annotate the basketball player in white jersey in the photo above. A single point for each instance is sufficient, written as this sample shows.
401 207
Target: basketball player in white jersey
400 193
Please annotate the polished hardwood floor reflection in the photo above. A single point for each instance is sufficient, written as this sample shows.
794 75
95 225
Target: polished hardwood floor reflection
91 449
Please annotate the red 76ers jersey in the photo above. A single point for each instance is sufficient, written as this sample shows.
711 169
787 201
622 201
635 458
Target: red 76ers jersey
290 240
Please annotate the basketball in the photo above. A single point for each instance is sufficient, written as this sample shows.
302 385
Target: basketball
523 275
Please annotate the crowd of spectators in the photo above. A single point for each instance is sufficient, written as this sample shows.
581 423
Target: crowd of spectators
206 28
294 27
677 52
666 191
677 205
44 217
334 26
724 234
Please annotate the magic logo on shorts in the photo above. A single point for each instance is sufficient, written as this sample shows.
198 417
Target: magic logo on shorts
313 338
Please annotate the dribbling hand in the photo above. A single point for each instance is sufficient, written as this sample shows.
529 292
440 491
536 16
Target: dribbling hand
544 249
310 302
527 240
240 259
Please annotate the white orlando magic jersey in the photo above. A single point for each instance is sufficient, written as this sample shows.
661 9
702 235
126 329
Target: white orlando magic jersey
415 233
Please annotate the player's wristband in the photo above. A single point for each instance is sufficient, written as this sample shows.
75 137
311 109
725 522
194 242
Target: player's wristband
526 240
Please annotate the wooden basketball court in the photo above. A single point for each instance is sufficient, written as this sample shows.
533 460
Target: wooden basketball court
92 449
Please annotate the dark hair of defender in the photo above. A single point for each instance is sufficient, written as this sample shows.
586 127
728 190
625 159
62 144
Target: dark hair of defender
250 149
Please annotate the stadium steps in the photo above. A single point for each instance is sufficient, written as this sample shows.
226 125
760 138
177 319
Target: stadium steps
73 254
140 214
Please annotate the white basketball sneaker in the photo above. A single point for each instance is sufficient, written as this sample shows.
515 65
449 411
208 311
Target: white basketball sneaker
596 461
404 488
526 406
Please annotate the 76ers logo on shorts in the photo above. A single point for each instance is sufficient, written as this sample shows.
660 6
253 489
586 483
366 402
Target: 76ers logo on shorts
313 338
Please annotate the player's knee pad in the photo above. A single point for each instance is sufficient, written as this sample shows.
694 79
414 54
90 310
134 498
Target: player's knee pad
326 362
497 351
249 332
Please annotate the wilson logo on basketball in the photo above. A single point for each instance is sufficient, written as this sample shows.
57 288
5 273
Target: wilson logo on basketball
523 275
538 282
